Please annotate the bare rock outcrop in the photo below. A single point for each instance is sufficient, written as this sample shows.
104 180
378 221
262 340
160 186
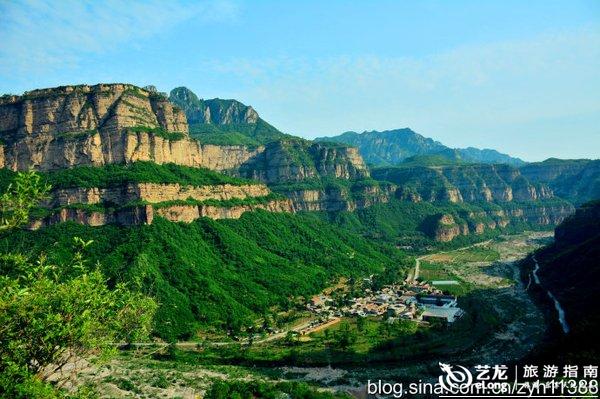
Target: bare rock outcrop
358 195
117 205
145 214
446 227
130 216
297 160
84 125
152 193
189 213
77 109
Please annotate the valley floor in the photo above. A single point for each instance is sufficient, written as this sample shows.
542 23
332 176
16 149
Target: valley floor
501 325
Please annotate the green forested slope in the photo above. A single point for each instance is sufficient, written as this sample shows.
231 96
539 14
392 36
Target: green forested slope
218 273
250 134
137 172
405 223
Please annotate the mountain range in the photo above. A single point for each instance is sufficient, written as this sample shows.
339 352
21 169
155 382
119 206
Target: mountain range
219 121
392 147
210 207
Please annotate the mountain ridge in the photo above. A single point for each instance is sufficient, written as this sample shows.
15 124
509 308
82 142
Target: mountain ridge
577 180
115 126
224 121
216 111
120 124
392 147
126 165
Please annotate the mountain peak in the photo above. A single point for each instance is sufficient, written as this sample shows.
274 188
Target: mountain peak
214 111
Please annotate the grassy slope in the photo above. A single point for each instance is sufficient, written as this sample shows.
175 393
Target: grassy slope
220 273
251 134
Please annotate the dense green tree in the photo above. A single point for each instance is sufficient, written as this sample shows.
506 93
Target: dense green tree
345 336
25 191
55 314
220 274
291 338
360 324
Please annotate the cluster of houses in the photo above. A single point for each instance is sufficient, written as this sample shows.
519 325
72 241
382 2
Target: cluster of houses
414 301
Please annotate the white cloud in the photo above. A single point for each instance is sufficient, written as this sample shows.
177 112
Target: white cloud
43 35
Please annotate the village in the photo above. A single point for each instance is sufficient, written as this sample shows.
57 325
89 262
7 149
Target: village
410 300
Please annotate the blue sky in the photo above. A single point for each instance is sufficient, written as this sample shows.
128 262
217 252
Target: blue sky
520 77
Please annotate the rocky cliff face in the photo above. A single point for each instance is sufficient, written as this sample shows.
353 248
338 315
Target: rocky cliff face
339 198
541 214
577 180
307 173
511 198
76 109
152 193
97 125
464 183
446 227
73 125
97 149
119 204
297 160
189 213
130 216
117 123
145 214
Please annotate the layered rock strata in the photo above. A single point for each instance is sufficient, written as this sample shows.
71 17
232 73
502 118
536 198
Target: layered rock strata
153 193
446 227
465 183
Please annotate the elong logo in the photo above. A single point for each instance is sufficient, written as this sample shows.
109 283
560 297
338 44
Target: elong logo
454 379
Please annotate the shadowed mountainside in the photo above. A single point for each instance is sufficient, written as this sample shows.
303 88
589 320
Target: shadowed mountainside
570 270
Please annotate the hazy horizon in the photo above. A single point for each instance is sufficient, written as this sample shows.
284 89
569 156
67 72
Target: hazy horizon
518 78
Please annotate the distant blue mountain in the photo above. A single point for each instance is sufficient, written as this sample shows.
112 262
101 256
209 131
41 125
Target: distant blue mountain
392 147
